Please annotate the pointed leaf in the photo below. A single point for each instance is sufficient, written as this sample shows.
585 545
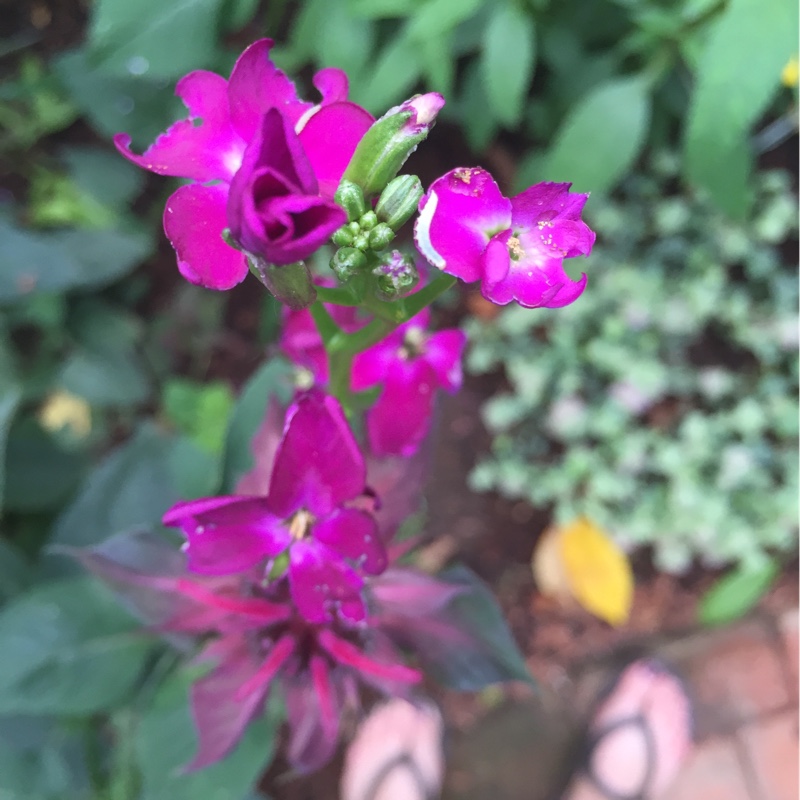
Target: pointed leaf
601 137
507 61
68 649
465 645
733 595
166 741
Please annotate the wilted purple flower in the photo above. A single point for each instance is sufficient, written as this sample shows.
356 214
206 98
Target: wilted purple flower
411 364
283 199
309 512
515 248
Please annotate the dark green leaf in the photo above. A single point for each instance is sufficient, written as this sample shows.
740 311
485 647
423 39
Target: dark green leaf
467 644
272 379
10 396
200 410
196 471
106 379
153 38
718 155
166 741
105 176
132 486
601 137
507 61
61 260
15 571
68 649
40 474
436 17
141 107
41 760
733 595
396 71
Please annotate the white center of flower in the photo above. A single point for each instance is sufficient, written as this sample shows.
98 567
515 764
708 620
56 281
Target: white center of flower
300 524
515 248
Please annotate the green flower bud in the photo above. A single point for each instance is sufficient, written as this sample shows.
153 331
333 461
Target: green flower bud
351 198
354 228
385 147
395 276
361 242
380 236
346 262
368 221
399 201
342 237
289 283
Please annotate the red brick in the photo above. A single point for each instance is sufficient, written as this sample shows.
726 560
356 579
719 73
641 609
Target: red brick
734 675
712 772
772 747
788 626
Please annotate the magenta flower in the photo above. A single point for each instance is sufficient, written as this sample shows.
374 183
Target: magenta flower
282 201
515 248
311 512
411 364
259 640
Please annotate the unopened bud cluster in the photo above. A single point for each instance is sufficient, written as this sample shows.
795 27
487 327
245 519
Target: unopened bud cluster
372 231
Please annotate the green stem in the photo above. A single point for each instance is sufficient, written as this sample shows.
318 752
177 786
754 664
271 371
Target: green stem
339 296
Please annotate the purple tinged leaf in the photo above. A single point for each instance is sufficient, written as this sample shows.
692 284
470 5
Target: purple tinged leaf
220 717
464 645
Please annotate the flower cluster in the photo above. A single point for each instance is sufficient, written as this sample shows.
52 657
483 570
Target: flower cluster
290 581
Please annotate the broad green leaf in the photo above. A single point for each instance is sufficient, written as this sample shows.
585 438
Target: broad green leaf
42 759
15 571
236 14
733 595
732 93
601 137
153 38
200 410
507 61
10 396
68 649
132 486
376 9
347 43
438 64
272 379
105 379
396 72
466 645
62 260
166 740
40 473
137 105
480 127
436 17
105 176
195 471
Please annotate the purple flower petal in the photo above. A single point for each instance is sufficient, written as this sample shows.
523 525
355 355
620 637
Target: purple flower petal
458 216
228 534
194 219
203 147
332 84
371 366
443 352
319 580
276 658
318 465
353 534
400 419
548 201
274 210
330 137
256 85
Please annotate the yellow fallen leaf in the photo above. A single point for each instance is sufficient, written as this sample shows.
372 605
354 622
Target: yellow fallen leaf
789 73
548 566
66 410
598 571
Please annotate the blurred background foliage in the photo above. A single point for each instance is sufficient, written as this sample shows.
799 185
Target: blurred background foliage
663 402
